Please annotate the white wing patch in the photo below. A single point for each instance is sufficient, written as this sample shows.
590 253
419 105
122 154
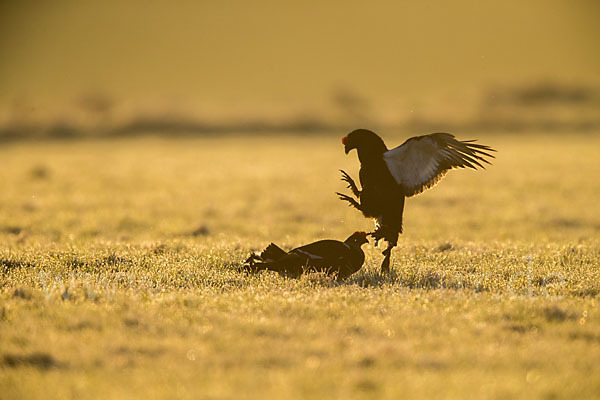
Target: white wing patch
420 162
412 164
309 255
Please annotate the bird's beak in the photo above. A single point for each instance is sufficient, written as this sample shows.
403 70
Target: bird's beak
362 239
347 146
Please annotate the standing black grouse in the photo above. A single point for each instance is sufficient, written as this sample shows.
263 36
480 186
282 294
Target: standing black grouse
387 176
329 256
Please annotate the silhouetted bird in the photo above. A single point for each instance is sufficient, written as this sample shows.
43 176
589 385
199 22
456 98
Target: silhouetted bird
329 256
387 176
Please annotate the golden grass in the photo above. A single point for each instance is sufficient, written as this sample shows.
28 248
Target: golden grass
118 274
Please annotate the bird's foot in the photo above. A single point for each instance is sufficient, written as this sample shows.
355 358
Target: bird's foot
377 235
353 202
351 184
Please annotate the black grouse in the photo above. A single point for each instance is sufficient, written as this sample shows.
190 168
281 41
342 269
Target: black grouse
329 256
387 176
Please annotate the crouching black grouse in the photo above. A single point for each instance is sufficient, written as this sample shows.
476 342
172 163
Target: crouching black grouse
329 256
387 176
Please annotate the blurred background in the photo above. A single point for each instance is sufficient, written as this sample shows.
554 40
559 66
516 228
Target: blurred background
111 68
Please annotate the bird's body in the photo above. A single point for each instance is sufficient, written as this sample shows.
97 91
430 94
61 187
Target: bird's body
329 256
380 197
387 177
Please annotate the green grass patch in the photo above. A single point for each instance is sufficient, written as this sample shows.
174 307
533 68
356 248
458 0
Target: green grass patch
118 274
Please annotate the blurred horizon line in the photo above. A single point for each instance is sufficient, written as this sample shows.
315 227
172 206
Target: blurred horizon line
541 105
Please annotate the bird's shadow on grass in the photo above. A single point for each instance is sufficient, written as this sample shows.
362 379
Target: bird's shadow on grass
373 278
368 278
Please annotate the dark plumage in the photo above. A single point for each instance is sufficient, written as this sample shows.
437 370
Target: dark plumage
387 176
329 256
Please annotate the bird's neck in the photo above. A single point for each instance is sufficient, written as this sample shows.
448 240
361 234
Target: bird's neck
369 156
353 245
350 242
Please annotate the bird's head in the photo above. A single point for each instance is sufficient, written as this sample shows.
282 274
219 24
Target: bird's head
358 238
363 140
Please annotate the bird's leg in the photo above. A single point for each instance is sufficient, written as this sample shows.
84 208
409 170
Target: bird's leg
383 232
385 265
351 184
353 202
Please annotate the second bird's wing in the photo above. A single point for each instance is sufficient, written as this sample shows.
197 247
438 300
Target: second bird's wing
326 252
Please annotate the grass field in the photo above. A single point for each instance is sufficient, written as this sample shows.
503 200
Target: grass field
118 274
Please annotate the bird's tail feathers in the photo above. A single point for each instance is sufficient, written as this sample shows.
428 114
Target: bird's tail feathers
272 252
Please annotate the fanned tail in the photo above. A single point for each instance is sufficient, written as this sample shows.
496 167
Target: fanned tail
272 252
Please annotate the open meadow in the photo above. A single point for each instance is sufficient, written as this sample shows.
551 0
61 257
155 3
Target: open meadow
118 273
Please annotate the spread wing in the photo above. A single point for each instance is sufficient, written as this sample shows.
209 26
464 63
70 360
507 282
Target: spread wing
421 161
